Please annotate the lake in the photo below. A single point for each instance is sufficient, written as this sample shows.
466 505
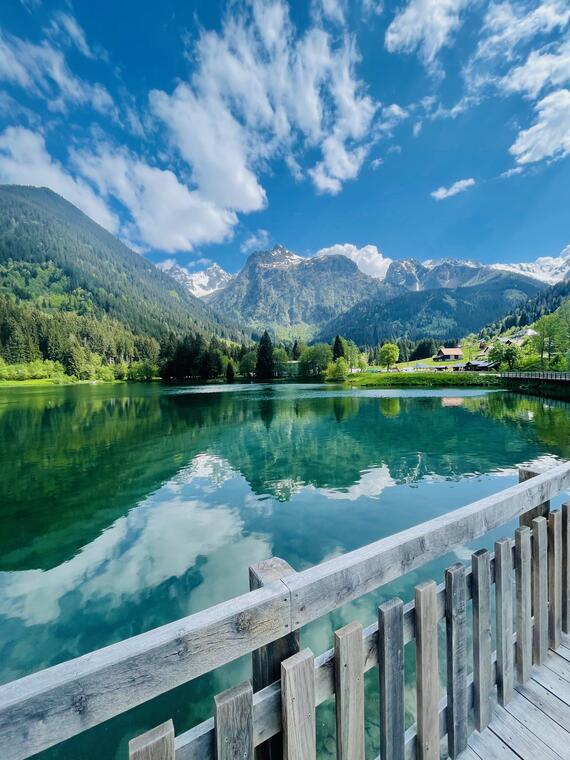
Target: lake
125 507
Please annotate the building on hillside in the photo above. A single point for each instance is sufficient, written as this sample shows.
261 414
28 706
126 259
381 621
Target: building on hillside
485 366
448 354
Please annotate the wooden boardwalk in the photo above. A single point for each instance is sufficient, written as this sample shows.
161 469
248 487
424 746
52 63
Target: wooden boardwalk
535 724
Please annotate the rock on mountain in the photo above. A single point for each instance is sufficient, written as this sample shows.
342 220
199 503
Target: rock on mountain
201 284
277 287
549 269
410 274
441 313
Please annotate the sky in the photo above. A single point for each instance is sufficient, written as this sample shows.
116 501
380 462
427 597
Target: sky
199 130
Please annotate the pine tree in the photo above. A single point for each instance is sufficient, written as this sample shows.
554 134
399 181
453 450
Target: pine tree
338 348
264 369
296 351
230 374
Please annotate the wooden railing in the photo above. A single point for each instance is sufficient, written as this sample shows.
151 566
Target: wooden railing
48 707
559 377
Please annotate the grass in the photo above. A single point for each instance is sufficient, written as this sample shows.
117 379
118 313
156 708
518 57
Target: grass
424 380
429 363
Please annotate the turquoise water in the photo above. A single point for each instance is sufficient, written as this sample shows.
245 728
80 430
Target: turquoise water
126 507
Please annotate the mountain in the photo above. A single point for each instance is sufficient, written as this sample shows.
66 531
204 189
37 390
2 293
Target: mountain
94 272
200 284
414 275
442 313
549 269
279 288
547 301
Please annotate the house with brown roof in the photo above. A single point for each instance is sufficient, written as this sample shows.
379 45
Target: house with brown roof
448 354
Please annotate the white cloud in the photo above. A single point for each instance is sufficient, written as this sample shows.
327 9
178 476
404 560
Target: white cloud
372 7
262 91
541 69
425 26
458 187
165 213
549 136
376 163
42 71
417 128
333 10
66 26
24 160
368 258
257 242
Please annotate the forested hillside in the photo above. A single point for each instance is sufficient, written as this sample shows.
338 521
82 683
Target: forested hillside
89 270
546 302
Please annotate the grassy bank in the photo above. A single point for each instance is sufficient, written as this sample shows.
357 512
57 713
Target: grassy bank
424 380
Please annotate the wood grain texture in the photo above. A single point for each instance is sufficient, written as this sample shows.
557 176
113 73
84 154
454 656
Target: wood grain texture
555 578
233 722
349 691
156 744
456 643
427 672
298 706
540 510
266 661
482 681
391 672
504 622
540 590
523 603
566 567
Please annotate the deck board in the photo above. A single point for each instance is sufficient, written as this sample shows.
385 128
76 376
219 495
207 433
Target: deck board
535 724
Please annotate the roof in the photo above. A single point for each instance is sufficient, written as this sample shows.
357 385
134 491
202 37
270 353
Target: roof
450 351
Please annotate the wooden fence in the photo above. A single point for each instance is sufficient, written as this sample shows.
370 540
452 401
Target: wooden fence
46 708
558 377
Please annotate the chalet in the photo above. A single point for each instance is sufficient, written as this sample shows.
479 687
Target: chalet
448 354
485 366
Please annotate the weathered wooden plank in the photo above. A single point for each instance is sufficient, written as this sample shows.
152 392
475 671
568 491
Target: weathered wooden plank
349 691
555 578
427 672
553 682
233 722
558 664
550 704
540 590
540 510
541 725
321 589
266 661
391 670
518 737
504 613
298 706
456 640
566 567
482 638
488 746
48 707
156 744
523 604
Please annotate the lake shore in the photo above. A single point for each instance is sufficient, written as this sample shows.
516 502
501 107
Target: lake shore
424 380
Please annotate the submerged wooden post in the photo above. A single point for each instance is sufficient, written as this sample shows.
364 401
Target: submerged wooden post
298 707
456 625
349 691
504 613
523 595
555 578
540 590
427 672
541 510
233 721
566 567
266 661
482 679
156 744
391 670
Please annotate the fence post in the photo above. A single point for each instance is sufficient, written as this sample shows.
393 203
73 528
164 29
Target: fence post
156 744
555 578
266 661
482 679
349 691
504 615
523 596
540 589
541 510
456 623
391 669
233 721
298 706
566 567
427 672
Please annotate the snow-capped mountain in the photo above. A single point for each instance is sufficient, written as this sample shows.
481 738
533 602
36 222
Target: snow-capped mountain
200 284
549 269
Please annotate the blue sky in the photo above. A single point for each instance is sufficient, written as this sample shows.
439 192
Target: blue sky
200 130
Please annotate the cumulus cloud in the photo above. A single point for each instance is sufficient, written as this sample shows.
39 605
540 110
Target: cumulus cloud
541 69
261 90
549 136
368 258
165 213
257 242
42 71
458 187
425 26
24 160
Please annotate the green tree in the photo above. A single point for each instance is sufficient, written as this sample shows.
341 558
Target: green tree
247 364
338 348
497 354
337 370
389 354
264 367
315 359
230 374
280 362
296 350
511 356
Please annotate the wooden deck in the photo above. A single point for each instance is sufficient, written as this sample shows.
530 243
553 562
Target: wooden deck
535 724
